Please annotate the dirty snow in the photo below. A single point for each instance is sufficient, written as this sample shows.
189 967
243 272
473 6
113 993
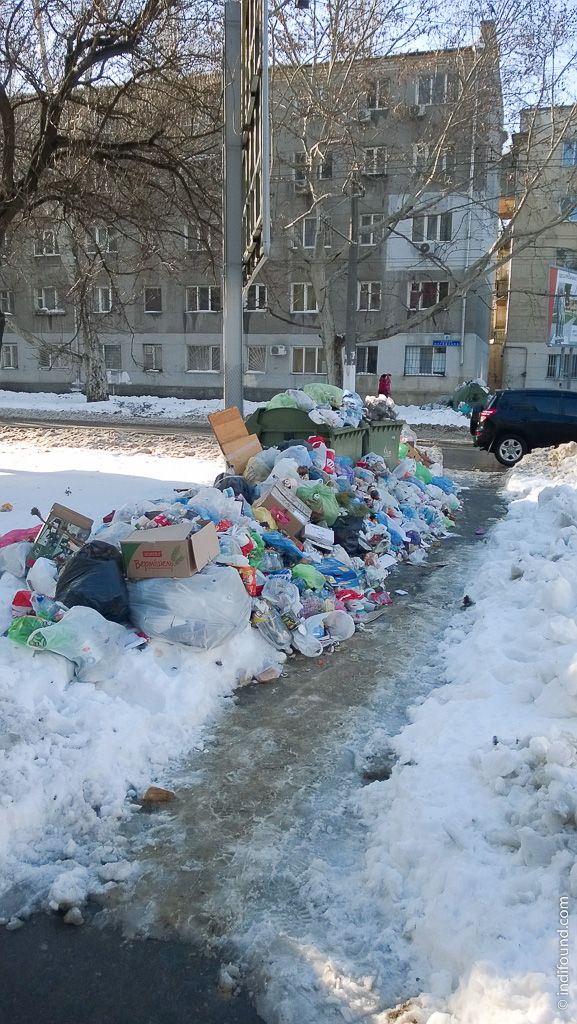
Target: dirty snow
120 408
70 752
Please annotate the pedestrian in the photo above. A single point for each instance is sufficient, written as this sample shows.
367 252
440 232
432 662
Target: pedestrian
385 385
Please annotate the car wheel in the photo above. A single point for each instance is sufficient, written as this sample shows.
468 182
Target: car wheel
510 449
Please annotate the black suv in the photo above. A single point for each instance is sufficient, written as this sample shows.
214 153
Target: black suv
515 422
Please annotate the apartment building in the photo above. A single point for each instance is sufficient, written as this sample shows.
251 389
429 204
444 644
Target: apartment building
416 136
540 341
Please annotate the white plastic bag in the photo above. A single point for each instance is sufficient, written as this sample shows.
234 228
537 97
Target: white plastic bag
42 577
201 611
13 558
83 636
283 595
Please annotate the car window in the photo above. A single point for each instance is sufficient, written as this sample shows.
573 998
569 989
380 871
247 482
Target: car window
546 405
517 402
569 406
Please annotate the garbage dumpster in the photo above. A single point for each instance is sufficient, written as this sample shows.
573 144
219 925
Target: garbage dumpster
383 439
275 425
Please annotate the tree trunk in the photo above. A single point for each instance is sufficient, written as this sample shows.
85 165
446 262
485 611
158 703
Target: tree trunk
96 381
331 342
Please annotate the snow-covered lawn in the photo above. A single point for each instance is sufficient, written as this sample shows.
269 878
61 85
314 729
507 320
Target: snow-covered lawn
117 409
473 841
69 751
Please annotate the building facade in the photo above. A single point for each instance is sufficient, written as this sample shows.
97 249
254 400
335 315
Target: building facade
418 137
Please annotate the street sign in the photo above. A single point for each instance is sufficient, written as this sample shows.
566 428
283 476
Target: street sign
446 343
255 137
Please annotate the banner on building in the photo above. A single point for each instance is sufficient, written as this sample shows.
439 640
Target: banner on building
562 320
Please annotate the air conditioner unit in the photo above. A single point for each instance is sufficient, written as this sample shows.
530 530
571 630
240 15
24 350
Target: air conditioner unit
418 110
277 350
425 248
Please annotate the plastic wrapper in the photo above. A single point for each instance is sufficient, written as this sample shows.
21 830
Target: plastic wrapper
94 578
200 611
13 558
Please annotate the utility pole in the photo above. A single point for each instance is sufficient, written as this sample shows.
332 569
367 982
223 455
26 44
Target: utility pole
350 364
232 318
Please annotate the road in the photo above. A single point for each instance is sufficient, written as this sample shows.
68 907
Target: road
266 793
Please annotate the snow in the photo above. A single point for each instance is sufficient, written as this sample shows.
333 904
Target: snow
118 408
70 752
473 839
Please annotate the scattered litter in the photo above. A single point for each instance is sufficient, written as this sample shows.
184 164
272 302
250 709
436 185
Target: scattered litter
402 593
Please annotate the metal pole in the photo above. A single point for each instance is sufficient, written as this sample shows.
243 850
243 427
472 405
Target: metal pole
232 319
350 365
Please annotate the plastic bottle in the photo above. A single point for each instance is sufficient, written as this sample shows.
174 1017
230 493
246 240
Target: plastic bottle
46 608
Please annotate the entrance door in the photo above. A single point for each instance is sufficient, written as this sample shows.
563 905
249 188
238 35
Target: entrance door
514 367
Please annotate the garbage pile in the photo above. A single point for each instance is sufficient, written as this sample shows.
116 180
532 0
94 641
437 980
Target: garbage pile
300 545
330 405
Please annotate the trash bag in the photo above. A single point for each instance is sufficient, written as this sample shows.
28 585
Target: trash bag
269 622
312 577
13 558
336 625
303 401
321 500
282 401
239 485
347 532
258 468
200 611
42 577
82 635
325 394
94 578
284 596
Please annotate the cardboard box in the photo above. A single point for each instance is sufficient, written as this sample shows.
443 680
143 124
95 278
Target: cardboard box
235 442
295 514
172 551
63 534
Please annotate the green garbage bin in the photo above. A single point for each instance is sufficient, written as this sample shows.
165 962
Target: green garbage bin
383 438
275 425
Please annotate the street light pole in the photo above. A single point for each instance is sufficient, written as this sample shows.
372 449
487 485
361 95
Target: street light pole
232 317
350 364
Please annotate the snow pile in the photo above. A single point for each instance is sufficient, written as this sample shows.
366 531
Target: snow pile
440 415
70 752
473 840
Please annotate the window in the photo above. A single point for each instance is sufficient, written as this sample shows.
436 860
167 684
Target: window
53 359
6 301
432 227
568 206
375 160
102 239
420 157
103 302
112 357
300 171
447 160
369 295
424 360
308 360
327 232
552 367
424 294
256 298
152 357
256 362
203 298
370 228
196 237
9 355
378 93
367 358
325 168
309 232
303 299
47 301
153 300
440 87
566 258
569 158
46 243
202 358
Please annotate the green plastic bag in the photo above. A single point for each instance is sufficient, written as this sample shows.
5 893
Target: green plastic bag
312 577
24 626
325 394
282 401
322 500
255 556
403 451
423 474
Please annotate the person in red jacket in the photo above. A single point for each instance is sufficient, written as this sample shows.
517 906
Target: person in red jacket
385 385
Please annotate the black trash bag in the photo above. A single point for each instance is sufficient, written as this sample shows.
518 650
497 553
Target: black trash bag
240 486
94 578
346 533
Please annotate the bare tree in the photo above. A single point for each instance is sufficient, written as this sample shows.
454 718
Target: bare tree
391 150
108 115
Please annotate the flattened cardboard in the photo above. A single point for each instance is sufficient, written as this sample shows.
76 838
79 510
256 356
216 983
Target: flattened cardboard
63 534
235 442
168 551
280 497
321 536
